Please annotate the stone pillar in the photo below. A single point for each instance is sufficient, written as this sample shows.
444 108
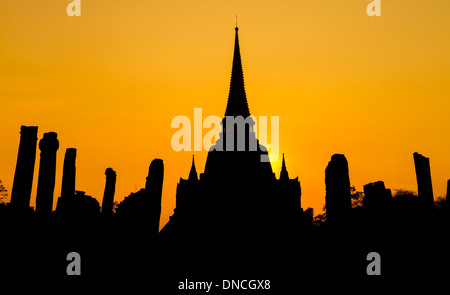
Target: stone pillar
68 180
48 145
337 199
423 175
23 176
69 174
110 188
153 187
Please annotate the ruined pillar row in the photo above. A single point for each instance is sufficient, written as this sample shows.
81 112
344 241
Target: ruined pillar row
110 188
23 176
48 145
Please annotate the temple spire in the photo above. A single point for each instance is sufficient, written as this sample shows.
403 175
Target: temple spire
284 174
193 172
237 100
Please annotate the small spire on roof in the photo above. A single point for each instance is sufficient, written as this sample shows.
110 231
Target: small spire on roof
284 175
193 172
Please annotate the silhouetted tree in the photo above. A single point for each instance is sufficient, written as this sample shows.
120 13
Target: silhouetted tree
403 195
440 203
132 205
406 202
320 219
115 205
308 215
356 196
3 193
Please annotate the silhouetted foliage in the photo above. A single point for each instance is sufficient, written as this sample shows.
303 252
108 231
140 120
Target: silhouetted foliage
132 204
406 205
320 219
3 193
115 205
82 205
308 215
403 193
440 203
356 196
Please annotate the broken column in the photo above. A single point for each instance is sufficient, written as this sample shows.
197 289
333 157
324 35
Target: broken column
23 176
337 199
423 175
48 145
69 174
110 188
153 187
68 180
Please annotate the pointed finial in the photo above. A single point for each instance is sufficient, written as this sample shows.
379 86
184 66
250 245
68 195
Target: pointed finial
236 24
193 172
284 175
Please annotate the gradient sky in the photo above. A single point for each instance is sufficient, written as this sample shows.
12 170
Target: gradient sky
110 82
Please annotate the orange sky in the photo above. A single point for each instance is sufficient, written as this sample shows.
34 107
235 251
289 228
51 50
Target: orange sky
110 81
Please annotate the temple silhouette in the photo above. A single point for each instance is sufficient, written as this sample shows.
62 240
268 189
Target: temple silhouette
236 220
238 196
